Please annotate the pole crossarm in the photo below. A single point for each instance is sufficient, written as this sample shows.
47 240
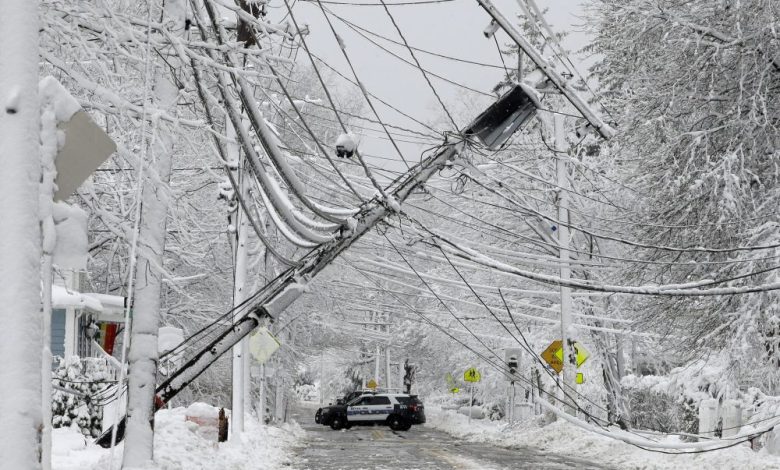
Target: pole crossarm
560 83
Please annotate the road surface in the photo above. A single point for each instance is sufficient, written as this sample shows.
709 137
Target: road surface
424 448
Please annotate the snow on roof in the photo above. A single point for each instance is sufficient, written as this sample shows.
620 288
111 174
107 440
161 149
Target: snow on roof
100 303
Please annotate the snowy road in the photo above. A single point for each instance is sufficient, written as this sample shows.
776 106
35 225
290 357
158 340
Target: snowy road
420 448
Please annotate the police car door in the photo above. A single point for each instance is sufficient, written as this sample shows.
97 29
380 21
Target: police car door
380 408
360 410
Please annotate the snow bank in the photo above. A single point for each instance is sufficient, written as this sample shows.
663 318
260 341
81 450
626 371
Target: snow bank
178 446
562 439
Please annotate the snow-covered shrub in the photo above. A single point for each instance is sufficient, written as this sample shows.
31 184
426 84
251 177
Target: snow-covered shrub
660 411
76 384
494 411
304 377
306 392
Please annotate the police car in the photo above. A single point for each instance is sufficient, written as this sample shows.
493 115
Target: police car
397 410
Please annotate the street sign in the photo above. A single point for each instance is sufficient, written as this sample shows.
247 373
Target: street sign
550 358
472 375
553 355
262 345
580 378
85 145
372 384
451 384
582 353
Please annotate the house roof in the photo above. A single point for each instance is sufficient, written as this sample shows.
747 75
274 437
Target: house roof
107 307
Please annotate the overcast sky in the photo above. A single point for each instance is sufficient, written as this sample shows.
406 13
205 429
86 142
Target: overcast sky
453 29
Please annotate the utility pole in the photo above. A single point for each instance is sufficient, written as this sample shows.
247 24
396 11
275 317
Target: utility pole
322 378
569 373
240 350
387 369
376 365
20 238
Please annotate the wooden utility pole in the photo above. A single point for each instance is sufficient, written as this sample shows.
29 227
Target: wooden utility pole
240 350
569 372
20 239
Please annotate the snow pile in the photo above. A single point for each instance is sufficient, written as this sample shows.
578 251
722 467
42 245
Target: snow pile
563 439
178 446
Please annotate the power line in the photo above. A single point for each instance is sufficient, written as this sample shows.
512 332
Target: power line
363 90
424 51
419 66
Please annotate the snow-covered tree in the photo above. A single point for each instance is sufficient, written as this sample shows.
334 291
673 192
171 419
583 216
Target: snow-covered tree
694 87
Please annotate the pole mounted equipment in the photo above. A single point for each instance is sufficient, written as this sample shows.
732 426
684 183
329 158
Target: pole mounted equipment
548 70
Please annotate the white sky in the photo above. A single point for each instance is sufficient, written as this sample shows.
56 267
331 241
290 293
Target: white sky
453 29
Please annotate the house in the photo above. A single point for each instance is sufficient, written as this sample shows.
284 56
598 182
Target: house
78 317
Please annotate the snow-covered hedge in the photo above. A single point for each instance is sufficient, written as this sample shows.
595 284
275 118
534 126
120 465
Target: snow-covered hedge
75 397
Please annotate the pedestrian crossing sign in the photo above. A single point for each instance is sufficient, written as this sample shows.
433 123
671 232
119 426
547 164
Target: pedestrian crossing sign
472 375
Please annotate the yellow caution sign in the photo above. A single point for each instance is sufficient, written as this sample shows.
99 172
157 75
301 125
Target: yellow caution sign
553 355
472 375
582 353
372 384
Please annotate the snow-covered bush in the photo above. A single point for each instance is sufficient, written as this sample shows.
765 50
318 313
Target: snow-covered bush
77 382
660 411
307 392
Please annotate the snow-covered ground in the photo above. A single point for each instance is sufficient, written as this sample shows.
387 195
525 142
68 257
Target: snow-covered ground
562 438
180 445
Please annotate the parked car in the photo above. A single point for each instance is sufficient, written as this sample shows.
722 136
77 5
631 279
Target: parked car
397 410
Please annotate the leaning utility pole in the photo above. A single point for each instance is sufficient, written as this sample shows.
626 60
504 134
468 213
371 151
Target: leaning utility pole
285 289
20 239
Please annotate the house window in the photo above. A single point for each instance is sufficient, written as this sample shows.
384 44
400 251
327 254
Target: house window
57 332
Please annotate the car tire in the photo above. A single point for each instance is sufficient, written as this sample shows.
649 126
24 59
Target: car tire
337 423
407 427
397 423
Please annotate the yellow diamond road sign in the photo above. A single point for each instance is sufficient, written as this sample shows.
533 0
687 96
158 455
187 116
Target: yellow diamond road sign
553 355
372 384
582 354
472 375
